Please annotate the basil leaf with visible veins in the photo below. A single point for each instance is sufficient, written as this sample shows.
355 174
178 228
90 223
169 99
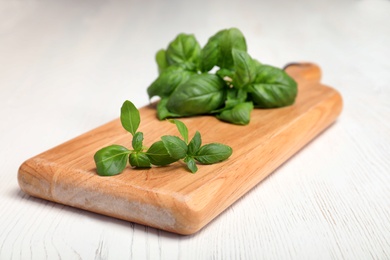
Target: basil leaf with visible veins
213 153
191 164
218 49
230 39
201 94
184 51
130 117
183 130
158 154
245 69
138 138
194 144
240 114
167 81
272 87
140 160
176 147
111 160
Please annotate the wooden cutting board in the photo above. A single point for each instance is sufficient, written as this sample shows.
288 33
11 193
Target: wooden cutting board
170 198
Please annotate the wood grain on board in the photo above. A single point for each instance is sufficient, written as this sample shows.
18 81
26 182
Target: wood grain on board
171 198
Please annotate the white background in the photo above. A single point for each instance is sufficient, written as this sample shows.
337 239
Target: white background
67 66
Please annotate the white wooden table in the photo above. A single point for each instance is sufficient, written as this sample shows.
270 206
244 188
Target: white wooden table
67 66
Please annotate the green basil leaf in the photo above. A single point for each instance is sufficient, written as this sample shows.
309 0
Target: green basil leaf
191 164
240 114
183 130
234 97
213 153
230 39
218 49
210 53
167 81
161 60
176 147
139 159
200 94
162 110
138 138
158 154
245 69
184 50
194 144
272 87
130 117
111 160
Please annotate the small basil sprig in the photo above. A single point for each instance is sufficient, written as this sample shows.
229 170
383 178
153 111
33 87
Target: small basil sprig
187 87
112 160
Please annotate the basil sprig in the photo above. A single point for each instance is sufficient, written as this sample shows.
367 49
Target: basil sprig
112 160
187 85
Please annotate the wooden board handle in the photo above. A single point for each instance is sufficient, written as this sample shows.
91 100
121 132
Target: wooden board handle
304 71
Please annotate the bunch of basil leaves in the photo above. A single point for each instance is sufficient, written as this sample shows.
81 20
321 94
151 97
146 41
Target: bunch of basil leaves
187 85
